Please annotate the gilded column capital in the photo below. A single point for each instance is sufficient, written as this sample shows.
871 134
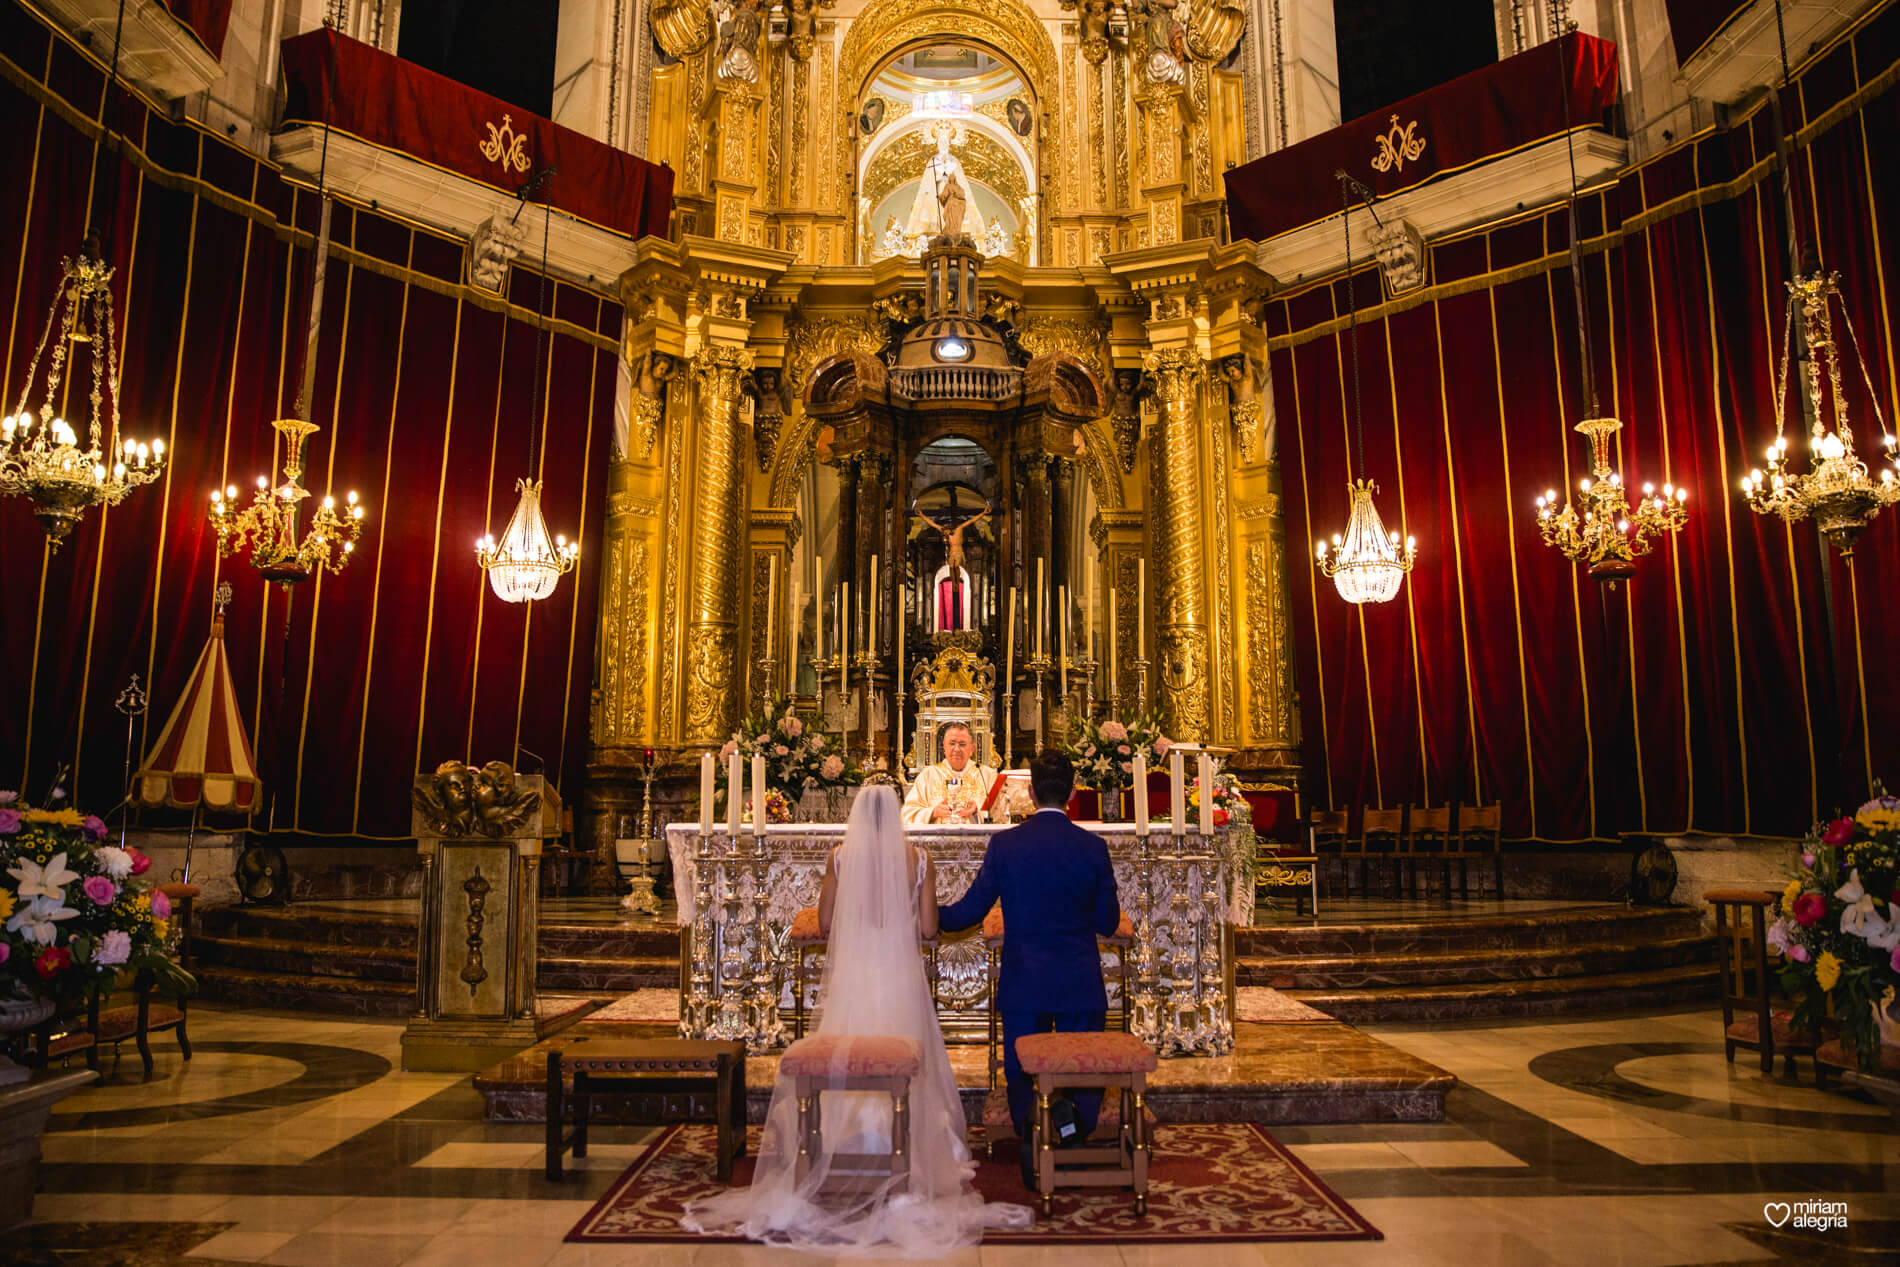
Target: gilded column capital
1033 468
1175 375
722 370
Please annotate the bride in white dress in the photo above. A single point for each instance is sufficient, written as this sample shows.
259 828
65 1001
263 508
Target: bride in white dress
882 900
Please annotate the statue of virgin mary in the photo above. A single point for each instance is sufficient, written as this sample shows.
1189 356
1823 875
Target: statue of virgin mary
926 213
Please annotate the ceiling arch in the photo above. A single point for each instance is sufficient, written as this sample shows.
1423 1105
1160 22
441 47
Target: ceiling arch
1005 26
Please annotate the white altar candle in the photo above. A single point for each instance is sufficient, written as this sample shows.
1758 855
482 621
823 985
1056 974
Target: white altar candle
758 792
818 625
1088 612
1042 607
1111 642
1141 794
735 793
1062 646
900 657
1141 608
844 641
870 631
771 605
1177 793
794 618
1204 776
1009 644
706 768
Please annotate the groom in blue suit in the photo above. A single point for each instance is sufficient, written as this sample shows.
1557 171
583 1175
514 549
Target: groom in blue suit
1058 895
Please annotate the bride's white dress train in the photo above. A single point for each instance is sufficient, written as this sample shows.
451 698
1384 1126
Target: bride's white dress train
874 984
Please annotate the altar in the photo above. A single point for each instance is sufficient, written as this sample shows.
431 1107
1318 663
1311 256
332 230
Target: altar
738 895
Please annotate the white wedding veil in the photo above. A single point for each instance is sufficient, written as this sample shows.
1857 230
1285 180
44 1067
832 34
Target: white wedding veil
874 984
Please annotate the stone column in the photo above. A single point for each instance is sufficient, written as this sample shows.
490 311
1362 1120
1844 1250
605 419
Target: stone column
475 962
874 510
1033 472
847 522
713 674
1061 518
1177 550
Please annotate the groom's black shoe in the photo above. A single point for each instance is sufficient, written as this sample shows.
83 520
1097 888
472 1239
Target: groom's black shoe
1068 1124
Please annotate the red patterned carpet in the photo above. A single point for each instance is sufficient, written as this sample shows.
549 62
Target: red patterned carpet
1207 1183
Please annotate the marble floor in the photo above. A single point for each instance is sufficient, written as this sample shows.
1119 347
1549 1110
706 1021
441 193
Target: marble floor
293 1139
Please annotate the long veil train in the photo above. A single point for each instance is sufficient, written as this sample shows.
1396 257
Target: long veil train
873 984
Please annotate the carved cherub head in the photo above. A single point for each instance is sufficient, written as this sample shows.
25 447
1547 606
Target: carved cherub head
454 784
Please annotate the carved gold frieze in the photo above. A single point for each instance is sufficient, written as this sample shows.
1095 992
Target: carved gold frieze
1005 25
812 338
623 640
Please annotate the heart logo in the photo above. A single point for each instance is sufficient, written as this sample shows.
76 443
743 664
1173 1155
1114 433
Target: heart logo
1776 1212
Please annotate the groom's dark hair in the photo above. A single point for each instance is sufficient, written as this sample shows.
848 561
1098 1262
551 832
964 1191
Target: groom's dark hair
1051 779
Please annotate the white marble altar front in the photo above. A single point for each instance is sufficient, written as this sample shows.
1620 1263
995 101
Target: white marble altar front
737 899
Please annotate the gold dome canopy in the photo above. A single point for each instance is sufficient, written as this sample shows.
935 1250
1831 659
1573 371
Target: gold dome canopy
952 354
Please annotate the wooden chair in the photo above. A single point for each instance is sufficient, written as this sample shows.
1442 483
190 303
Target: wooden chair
1741 947
1430 838
1477 834
1327 834
1381 835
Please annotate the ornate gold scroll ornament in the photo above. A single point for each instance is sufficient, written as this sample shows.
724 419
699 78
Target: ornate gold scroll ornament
1398 146
505 146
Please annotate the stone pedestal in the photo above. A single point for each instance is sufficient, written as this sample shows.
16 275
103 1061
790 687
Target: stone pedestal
23 1110
475 960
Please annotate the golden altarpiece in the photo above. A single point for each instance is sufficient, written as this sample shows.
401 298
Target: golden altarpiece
840 417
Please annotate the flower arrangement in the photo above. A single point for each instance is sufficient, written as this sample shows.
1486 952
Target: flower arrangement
1839 931
1104 752
1225 795
74 915
798 753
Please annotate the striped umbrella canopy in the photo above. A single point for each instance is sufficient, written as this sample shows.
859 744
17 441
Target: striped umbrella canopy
202 757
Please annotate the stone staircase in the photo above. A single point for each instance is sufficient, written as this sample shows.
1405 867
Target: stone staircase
324 957
1536 963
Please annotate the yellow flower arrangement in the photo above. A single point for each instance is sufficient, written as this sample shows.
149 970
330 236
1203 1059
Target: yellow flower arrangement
55 817
1873 819
1827 970
1789 894
6 903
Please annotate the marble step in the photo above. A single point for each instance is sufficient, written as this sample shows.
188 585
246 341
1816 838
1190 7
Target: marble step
347 996
604 975
292 924
288 958
1470 966
1681 983
611 941
1434 932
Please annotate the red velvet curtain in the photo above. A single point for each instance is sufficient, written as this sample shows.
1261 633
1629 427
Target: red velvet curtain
1736 685
209 20
426 394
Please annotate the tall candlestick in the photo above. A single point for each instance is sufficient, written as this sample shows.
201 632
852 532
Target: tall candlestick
758 792
794 619
735 793
1009 644
1111 642
844 642
1062 643
1141 794
899 681
870 634
1141 609
1204 777
706 768
1177 793
771 604
1088 612
818 625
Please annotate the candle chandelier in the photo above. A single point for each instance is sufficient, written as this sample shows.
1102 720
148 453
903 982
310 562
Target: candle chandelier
40 454
269 524
1602 530
1367 565
1837 491
527 563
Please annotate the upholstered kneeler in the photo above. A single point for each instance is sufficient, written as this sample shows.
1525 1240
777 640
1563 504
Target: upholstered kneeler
1122 941
803 937
828 1062
1115 1061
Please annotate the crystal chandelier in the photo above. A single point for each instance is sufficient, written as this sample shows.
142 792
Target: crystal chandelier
1609 534
1367 565
1837 491
527 563
269 523
40 456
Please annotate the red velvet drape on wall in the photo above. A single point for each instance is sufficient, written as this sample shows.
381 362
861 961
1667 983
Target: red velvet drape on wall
1722 690
425 393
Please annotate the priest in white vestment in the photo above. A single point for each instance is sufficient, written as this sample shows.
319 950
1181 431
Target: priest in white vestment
954 789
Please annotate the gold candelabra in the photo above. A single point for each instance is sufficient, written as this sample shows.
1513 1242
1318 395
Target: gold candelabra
269 524
1837 491
1608 532
40 457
